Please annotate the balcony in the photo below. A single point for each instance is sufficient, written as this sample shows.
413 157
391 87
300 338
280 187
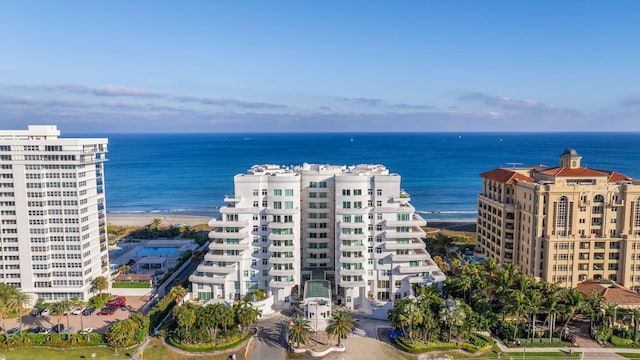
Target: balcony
352 272
232 198
223 257
412 245
416 220
414 256
281 248
361 248
282 260
207 279
353 237
415 232
282 225
352 260
425 266
216 269
417 279
352 284
282 284
281 236
227 246
282 272
228 235
217 223
272 211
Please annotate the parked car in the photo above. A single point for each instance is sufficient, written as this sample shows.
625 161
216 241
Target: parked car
36 330
68 330
45 330
86 331
45 312
77 310
57 328
88 311
37 311
14 331
107 311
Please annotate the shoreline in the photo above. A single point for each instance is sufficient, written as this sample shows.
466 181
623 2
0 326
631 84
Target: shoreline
137 219
146 219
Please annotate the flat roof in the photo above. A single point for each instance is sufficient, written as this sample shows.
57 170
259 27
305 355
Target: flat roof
317 288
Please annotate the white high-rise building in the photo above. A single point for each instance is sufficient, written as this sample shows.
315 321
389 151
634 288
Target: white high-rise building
353 226
52 213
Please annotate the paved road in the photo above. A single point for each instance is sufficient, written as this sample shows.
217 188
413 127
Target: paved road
270 340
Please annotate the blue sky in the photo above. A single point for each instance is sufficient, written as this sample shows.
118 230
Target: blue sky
273 66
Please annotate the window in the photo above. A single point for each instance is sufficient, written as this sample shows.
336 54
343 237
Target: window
346 204
379 192
357 204
357 192
288 204
277 192
346 218
288 192
313 184
346 192
277 204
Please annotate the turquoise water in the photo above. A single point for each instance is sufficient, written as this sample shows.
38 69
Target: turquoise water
158 251
168 174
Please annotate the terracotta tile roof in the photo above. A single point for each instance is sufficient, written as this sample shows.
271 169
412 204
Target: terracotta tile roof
568 172
505 176
613 292
615 176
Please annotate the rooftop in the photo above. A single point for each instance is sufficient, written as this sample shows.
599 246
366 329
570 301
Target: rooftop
317 288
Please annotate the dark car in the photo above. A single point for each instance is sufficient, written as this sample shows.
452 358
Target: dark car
14 331
107 311
57 328
37 312
36 330
88 311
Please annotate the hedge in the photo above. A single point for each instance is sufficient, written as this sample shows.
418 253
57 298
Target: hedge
208 347
480 343
130 285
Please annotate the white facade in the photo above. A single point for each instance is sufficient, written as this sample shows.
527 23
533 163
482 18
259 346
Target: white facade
353 226
52 212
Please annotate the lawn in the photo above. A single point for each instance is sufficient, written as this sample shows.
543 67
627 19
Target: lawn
35 353
156 350
629 355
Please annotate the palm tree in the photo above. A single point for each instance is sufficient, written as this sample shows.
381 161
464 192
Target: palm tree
4 311
185 317
535 304
518 305
299 330
16 301
57 310
121 333
66 306
340 325
573 301
246 314
79 303
155 223
452 316
100 283
178 293
635 319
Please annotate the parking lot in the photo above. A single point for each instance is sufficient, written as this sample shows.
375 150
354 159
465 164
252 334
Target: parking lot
99 323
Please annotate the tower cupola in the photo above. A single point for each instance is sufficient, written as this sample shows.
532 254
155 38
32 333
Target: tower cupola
570 159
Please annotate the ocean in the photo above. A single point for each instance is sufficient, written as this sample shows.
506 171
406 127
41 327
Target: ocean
189 174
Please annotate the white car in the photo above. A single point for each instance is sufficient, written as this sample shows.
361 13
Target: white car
77 310
45 312
86 331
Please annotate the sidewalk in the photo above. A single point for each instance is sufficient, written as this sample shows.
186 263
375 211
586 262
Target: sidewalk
505 349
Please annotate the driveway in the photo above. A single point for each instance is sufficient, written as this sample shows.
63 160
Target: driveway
270 338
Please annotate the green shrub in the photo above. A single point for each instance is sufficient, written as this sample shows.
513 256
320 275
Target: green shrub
230 343
130 285
99 300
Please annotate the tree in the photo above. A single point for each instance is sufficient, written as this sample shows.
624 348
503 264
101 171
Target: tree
573 301
340 325
452 316
299 331
4 311
121 333
178 293
16 301
79 303
100 283
518 305
246 314
185 318
66 306
635 319
155 223
57 310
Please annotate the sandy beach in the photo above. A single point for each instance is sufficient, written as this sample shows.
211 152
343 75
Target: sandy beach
145 219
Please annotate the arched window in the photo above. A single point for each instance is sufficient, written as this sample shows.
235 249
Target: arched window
562 216
598 198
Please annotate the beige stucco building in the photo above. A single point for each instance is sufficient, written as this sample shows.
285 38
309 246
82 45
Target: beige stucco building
563 224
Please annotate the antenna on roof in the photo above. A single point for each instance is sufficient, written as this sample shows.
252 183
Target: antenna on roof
513 164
